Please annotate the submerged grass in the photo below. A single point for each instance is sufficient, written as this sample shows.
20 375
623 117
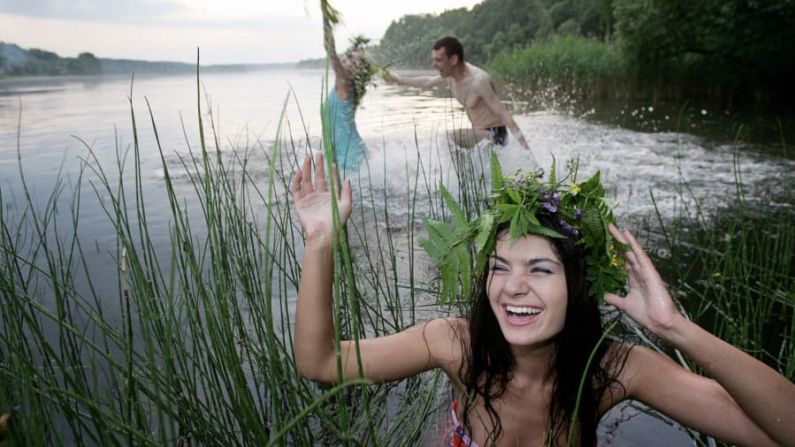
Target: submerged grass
194 347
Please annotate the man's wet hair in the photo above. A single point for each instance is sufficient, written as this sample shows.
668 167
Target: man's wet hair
452 46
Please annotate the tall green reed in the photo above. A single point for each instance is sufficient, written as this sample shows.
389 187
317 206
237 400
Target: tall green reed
197 348
570 65
733 270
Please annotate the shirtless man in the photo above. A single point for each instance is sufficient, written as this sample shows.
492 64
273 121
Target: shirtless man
472 87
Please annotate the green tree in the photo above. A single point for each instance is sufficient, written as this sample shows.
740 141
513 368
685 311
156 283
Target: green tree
43 55
84 64
493 26
735 47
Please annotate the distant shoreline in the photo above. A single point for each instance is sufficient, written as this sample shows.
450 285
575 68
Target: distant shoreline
16 62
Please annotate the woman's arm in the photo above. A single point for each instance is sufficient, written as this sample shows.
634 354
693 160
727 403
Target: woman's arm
747 402
383 359
331 51
692 400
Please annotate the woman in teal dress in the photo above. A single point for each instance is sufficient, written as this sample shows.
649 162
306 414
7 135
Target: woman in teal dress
352 74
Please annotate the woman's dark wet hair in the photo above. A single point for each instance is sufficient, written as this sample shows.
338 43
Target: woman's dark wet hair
489 364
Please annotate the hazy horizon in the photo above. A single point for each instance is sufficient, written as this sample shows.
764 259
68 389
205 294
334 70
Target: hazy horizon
229 32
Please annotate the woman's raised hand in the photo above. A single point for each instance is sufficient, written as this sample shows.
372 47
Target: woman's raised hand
648 301
313 199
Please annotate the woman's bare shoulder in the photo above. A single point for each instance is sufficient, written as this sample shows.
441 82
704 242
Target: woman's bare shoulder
630 365
446 339
616 363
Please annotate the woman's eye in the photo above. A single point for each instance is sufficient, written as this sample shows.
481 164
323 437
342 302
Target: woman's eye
497 268
542 270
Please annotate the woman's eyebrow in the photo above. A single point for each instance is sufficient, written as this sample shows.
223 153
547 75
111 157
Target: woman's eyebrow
534 261
531 261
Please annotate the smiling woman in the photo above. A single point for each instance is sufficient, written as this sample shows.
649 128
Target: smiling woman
527 318
529 362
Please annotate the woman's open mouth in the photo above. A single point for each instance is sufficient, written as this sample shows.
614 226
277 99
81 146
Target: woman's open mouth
521 315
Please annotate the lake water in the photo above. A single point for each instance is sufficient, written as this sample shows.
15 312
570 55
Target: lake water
48 125
49 122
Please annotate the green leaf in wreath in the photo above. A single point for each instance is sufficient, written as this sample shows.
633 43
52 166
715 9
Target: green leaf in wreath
497 179
544 231
455 209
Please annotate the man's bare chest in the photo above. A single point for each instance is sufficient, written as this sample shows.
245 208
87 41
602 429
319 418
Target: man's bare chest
466 94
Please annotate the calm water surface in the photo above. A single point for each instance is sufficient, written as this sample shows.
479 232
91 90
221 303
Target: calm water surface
47 127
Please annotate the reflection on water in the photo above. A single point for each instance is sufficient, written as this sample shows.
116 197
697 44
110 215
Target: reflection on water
52 124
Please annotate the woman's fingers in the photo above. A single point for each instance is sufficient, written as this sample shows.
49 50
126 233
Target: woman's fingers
631 256
620 237
641 258
320 173
306 177
614 300
295 185
636 257
616 233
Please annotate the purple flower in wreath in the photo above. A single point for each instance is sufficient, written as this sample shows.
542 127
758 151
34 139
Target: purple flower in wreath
568 229
550 202
577 213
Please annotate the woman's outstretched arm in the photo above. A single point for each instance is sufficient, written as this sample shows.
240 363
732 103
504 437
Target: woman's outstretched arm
331 50
747 403
383 359
314 327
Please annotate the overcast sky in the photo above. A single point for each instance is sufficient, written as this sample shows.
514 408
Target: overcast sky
226 31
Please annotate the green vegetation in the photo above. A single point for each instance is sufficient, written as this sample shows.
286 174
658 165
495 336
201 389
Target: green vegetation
516 201
728 51
735 272
15 61
726 48
584 67
195 346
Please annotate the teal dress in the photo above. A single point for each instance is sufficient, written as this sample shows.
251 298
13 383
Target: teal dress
348 146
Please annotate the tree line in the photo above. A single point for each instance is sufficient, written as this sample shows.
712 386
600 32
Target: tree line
741 48
15 61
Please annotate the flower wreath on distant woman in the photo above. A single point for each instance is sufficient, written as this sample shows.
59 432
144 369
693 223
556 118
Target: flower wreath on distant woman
353 73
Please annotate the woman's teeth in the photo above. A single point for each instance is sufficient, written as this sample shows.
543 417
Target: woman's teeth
523 310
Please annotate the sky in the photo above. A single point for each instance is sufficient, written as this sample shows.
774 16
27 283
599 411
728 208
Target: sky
226 31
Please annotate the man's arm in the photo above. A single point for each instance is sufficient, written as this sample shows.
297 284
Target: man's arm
416 81
486 91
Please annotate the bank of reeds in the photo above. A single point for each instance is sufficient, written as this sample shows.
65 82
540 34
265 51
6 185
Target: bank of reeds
735 272
568 68
567 65
194 347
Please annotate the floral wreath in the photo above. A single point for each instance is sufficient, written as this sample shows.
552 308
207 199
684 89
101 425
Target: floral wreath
580 208
365 71
363 77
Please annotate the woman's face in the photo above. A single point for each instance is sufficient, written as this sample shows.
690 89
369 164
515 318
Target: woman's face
527 289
